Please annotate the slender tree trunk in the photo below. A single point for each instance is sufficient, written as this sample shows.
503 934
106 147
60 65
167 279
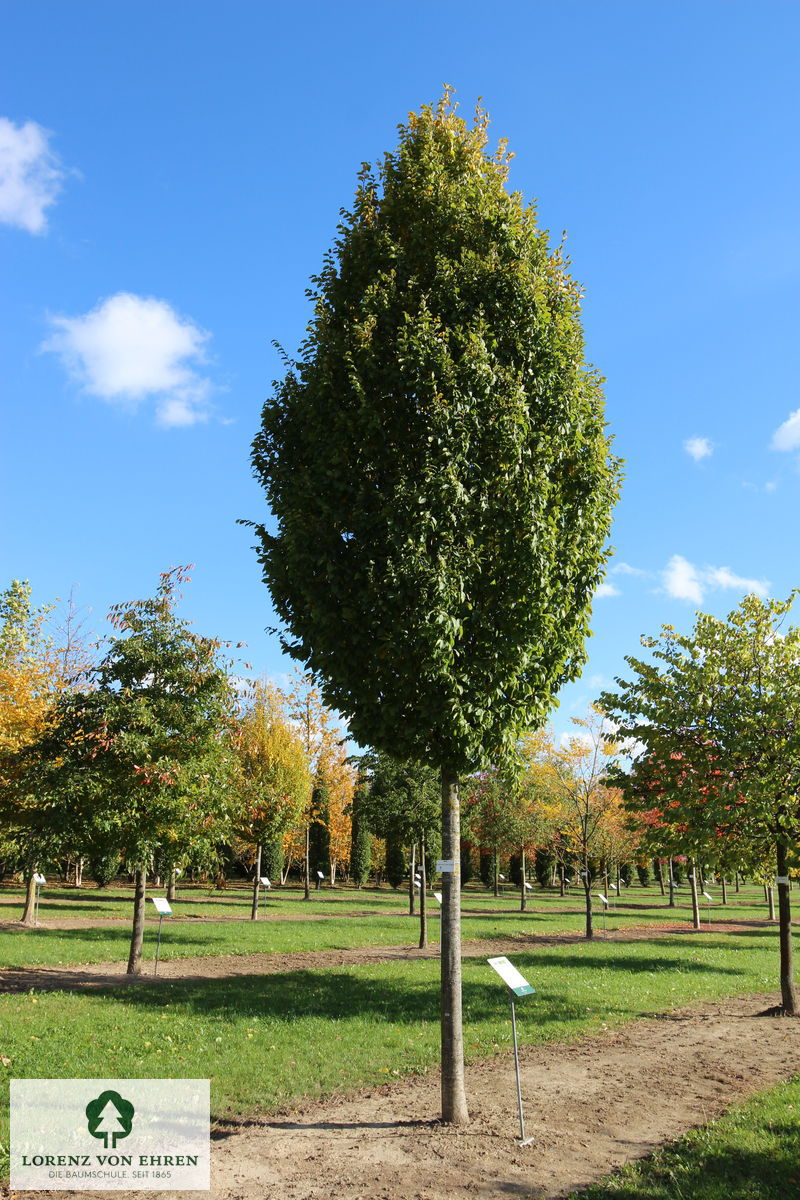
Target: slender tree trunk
771 901
307 880
523 891
562 888
256 885
496 865
695 905
587 887
29 912
79 871
137 933
724 889
671 885
412 908
423 899
454 1100
172 886
660 872
736 881
788 988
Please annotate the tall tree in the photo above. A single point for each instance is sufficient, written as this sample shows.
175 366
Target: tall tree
716 720
437 465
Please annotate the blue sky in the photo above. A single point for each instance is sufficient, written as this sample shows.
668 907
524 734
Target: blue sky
171 174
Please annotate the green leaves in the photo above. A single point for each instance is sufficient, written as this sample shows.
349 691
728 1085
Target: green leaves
436 461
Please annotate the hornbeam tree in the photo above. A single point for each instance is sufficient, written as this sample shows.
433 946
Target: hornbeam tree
440 479
716 715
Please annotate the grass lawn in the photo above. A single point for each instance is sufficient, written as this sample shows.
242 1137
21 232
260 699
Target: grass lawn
752 1153
268 1040
368 918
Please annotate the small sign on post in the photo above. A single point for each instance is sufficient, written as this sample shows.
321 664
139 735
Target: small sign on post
163 909
38 879
517 985
264 881
437 897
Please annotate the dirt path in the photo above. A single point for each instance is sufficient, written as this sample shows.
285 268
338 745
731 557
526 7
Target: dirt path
91 976
590 1107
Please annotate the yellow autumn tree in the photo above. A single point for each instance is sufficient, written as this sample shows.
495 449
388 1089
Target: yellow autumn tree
274 779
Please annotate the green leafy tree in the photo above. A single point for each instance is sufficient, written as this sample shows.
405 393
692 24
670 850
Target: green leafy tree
140 763
716 719
439 475
360 835
402 805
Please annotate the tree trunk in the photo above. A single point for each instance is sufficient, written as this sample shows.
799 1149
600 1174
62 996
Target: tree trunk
523 891
771 901
79 871
137 933
587 891
788 988
454 1100
412 908
724 889
423 900
256 885
496 866
172 886
29 912
736 880
671 885
307 895
695 905
660 871
561 888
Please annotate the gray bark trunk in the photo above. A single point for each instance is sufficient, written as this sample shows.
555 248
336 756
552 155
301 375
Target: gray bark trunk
137 933
454 1100
29 912
788 988
256 885
423 900
695 905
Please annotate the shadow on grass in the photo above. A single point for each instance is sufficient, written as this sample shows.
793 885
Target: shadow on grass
729 1172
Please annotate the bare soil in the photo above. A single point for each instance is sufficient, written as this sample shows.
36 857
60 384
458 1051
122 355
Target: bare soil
590 1106
92 976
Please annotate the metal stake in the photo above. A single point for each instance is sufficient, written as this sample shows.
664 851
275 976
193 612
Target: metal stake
158 943
523 1140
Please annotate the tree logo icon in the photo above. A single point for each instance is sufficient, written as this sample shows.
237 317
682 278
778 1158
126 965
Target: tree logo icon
109 1117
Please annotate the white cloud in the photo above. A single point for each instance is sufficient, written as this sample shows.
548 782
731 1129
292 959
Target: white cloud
30 175
787 435
682 580
134 348
698 447
623 568
685 581
607 589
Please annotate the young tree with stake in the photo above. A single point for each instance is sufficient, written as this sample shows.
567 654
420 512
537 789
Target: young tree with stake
437 466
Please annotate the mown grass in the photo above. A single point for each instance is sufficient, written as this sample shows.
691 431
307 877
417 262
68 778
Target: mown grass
752 1153
268 1041
354 923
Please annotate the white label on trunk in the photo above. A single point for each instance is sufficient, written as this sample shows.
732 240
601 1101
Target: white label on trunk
781 878
445 864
